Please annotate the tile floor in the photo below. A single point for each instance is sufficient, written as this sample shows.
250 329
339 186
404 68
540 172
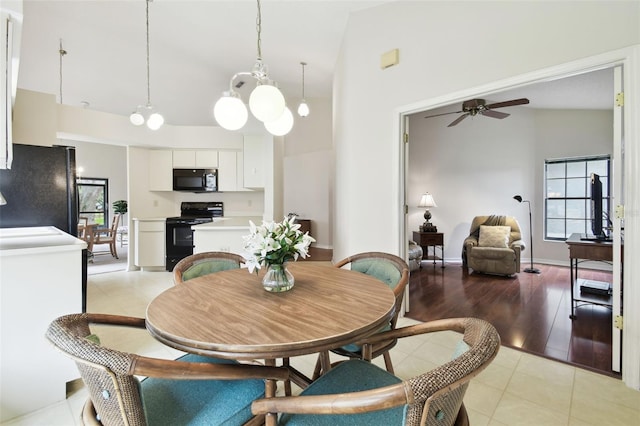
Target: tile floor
516 389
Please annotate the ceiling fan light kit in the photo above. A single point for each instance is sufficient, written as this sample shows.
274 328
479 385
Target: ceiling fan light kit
473 107
266 101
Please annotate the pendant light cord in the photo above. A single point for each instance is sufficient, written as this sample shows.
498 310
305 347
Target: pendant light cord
303 64
62 53
259 31
148 73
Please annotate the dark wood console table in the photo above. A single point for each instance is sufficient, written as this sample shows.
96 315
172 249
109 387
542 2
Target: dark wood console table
585 250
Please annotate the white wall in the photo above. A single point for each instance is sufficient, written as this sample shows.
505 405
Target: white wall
308 170
472 169
476 167
440 53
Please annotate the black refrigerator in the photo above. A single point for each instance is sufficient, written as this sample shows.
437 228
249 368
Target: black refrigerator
40 190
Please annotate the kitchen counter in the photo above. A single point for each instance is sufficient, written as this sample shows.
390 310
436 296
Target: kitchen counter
40 279
228 223
37 239
223 234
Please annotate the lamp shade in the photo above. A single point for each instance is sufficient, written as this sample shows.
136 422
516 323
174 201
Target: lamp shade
282 125
427 201
230 112
266 103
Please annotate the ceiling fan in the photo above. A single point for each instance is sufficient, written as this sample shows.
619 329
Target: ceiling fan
473 107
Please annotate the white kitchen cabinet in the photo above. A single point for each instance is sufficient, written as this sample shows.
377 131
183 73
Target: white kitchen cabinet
160 170
253 162
184 159
228 179
207 159
201 159
150 243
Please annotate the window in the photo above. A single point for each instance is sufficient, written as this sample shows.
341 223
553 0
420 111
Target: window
567 204
93 199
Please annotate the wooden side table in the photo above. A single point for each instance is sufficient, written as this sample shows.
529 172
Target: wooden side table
430 239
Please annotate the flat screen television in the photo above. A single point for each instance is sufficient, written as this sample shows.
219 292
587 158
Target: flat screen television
596 208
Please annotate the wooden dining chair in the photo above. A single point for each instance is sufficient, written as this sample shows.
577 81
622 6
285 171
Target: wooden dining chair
108 236
205 263
190 390
357 392
394 272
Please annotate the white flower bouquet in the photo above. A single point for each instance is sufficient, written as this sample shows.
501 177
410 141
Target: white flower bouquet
275 243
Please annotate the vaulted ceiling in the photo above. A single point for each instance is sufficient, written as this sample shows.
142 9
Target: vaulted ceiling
197 46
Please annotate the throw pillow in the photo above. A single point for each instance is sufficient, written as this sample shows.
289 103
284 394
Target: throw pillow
494 236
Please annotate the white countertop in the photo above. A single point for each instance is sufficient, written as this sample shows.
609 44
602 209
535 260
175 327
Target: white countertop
149 219
228 223
31 240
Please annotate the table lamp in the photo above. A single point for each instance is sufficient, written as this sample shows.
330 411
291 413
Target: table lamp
427 201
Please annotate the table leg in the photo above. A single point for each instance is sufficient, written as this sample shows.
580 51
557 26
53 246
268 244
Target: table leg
270 392
573 263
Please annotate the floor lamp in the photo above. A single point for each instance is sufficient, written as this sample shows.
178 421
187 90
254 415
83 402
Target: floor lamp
531 269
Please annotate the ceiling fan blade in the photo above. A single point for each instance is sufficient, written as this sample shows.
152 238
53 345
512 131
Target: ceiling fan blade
513 102
494 114
444 113
458 120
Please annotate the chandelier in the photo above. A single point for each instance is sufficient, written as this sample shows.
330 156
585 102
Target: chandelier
266 101
146 112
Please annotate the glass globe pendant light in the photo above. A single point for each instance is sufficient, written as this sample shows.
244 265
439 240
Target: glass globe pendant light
303 108
282 125
266 102
145 113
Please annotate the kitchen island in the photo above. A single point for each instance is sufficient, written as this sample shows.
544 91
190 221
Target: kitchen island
40 279
223 234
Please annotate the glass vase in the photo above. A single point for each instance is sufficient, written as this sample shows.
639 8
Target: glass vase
278 278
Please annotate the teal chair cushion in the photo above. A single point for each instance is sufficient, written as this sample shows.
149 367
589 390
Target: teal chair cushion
379 268
208 267
199 402
349 376
382 270
352 347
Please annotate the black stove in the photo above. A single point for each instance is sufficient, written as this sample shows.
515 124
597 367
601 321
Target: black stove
179 235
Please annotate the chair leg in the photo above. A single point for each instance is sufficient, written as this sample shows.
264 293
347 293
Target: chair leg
113 249
317 371
387 362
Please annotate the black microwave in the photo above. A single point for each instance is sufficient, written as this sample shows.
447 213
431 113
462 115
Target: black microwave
195 180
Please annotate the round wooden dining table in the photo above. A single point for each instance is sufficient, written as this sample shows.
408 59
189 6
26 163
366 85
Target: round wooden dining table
229 315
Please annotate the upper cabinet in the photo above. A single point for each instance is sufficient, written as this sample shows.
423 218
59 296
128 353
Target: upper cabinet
254 165
230 171
160 170
201 159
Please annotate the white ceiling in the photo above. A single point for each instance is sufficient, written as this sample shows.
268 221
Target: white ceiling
197 46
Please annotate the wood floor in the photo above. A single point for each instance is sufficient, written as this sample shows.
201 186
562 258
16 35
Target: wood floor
531 312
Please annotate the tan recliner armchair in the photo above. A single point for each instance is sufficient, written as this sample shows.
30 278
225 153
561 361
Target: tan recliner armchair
492 250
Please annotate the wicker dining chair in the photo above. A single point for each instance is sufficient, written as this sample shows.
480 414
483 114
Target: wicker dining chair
357 392
191 390
393 271
205 263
